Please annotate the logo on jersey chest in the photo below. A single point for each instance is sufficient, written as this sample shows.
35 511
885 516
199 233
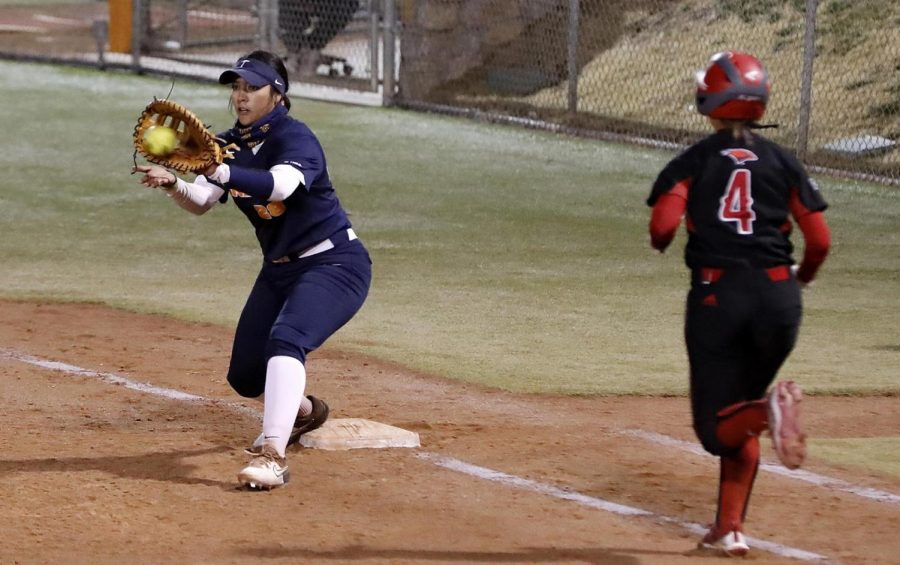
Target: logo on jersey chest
740 156
269 210
266 211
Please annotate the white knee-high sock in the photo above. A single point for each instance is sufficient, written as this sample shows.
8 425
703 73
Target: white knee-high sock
285 383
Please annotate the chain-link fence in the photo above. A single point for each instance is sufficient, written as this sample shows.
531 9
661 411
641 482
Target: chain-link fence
327 43
626 67
607 68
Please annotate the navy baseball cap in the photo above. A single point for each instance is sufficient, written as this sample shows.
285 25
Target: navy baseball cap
255 73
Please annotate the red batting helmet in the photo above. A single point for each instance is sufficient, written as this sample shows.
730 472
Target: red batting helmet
735 86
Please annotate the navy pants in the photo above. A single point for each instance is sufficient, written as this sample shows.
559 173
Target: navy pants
739 330
294 307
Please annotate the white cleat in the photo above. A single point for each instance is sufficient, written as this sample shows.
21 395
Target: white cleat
266 471
731 544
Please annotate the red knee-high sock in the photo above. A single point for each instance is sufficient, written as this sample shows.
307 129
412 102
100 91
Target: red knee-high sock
737 473
740 421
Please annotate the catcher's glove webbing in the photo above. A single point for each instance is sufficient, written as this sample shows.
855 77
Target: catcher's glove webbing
197 147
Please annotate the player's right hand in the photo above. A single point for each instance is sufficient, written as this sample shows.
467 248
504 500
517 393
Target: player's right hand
803 284
658 245
155 176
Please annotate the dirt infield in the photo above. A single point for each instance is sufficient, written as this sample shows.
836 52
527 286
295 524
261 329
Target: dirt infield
97 472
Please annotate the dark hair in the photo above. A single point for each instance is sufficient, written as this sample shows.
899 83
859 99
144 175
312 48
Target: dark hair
274 61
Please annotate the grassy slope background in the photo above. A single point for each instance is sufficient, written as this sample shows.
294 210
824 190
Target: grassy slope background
513 258
648 72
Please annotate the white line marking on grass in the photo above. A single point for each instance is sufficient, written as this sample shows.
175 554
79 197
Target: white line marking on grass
598 503
57 20
800 474
21 29
439 460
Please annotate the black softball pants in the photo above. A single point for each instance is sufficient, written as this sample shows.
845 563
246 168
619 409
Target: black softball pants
740 327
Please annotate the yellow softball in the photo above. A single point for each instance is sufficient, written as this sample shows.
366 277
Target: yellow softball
160 140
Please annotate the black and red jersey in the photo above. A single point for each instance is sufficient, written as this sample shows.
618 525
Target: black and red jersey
740 195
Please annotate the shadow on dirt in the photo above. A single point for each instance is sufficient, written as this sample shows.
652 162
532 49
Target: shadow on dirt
157 466
606 556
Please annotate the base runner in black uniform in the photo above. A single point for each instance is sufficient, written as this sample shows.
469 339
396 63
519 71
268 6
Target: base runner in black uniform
738 193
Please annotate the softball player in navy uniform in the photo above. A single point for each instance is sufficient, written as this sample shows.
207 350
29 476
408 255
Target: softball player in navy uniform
315 274
738 193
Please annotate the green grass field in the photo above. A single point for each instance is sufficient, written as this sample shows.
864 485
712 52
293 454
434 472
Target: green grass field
878 454
508 257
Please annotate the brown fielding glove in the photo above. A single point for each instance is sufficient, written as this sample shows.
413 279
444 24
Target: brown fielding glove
196 149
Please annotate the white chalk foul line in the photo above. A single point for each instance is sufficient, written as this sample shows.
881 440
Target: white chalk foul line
527 484
799 474
593 502
112 378
439 460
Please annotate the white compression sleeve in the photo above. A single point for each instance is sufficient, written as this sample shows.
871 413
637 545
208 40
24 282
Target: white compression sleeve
287 180
196 197
285 383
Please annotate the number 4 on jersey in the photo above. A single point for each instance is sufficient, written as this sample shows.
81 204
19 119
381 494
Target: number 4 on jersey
737 202
736 205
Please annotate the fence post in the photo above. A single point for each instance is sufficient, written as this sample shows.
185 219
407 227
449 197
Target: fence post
100 31
390 18
806 77
137 34
574 16
182 21
121 18
374 51
267 24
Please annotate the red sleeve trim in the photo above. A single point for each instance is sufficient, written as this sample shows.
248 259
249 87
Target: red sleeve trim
666 215
798 210
681 189
817 237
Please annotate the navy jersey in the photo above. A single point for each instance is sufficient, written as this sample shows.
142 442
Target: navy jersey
313 212
738 200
